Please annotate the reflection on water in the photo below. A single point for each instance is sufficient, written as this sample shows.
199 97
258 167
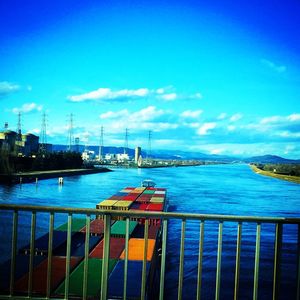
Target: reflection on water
224 189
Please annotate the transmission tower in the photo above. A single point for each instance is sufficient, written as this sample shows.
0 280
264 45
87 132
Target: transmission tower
126 141
101 150
149 144
43 135
71 138
19 134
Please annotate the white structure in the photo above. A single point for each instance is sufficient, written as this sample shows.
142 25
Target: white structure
122 157
88 155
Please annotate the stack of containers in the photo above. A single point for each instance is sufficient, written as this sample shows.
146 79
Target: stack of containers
141 199
58 261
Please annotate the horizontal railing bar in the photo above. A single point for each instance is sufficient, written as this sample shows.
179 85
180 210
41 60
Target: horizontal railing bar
164 215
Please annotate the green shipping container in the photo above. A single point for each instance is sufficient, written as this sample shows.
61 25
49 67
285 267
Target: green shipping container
119 228
77 225
94 278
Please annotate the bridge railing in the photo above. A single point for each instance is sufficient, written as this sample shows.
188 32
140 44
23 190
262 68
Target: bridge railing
165 217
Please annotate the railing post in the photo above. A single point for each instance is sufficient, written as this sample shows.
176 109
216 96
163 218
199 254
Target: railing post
200 256
256 267
68 254
219 261
277 261
50 246
13 252
126 259
298 264
86 257
31 257
237 261
163 259
143 288
105 261
181 260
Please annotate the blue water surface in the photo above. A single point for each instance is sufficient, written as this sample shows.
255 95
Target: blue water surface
214 189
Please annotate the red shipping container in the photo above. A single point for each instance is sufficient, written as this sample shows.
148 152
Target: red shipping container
130 197
96 227
39 276
155 207
117 245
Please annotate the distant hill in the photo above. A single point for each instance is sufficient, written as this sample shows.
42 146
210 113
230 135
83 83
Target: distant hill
185 155
271 159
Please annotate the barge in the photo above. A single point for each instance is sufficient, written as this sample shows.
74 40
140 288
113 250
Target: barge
73 272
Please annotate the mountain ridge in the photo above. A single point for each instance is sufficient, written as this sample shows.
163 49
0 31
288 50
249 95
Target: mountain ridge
186 155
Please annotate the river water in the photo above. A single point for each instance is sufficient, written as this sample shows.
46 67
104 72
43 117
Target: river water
215 189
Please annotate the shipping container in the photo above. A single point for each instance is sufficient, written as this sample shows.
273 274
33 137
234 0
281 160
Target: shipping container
117 245
106 204
148 192
134 280
140 229
122 205
22 267
115 198
96 227
77 225
118 229
130 197
94 279
39 276
135 206
157 200
77 245
136 249
41 244
159 193
155 207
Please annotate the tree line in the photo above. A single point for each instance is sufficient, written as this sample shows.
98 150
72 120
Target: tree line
10 163
284 169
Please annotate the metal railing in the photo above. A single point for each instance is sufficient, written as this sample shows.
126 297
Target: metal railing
165 217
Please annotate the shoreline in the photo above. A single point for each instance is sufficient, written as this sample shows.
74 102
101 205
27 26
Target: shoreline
27 177
294 179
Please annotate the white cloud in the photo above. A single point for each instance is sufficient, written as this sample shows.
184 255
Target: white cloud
169 97
206 128
160 91
108 94
222 116
231 127
8 88
273 66
235 117
27 108
104 94
272 119
112 115
294 117
216 151
191 113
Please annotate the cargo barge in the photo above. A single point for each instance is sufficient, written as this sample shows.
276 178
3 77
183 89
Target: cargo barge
144 198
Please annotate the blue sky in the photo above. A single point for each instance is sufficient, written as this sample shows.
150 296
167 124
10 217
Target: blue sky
221 77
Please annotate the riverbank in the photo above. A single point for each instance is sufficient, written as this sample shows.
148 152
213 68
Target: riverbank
294 179
25 177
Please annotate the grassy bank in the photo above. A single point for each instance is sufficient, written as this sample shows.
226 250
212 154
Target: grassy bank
295 179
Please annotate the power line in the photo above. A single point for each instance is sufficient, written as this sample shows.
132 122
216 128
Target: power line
43 135
101 143
126 141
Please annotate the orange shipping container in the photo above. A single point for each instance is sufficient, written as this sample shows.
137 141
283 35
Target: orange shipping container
136 249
